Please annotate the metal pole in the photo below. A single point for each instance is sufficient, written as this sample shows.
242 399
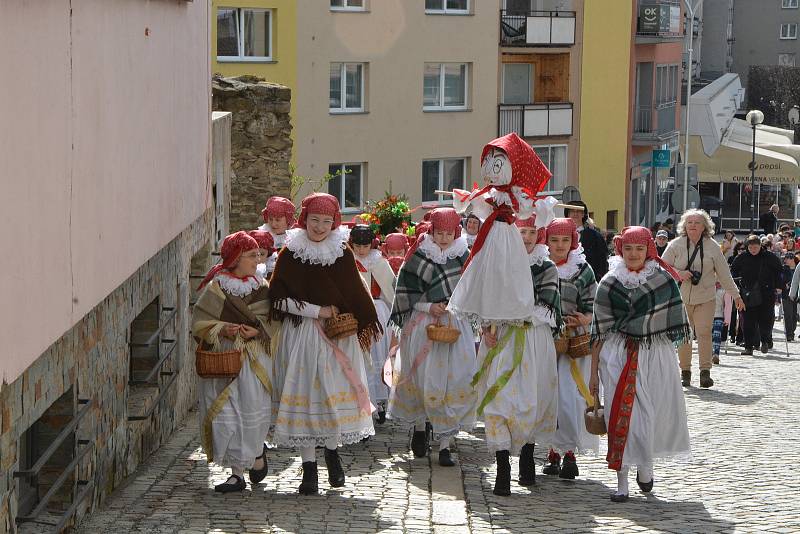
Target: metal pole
753 185
690 31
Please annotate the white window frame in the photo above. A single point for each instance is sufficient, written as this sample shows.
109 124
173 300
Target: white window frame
343 109
566 160
789 35
347 7
441 186
240 34
340 195
790 4
788 55
449 11
441 106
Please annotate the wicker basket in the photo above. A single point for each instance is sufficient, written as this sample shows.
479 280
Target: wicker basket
594 419
579 346
562 342
341 325
442 334
225 364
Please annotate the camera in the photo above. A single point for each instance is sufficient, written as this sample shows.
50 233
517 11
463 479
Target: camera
696 277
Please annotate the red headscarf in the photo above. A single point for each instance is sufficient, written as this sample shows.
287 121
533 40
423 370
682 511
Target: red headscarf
233 246
527 170
277 207
444 219
264 240
395 242
322 204
639 235
530 222
564 226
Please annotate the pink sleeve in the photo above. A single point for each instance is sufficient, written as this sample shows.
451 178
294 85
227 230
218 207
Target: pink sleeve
728 307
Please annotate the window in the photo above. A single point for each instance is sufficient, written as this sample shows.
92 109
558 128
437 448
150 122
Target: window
790 4
346 184
347 87
447 7
347 5
555 157
789 31
517 83
244 34
445 86
666 84
442 174
786 60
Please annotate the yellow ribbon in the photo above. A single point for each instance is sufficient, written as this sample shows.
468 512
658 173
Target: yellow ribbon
577 376
519 344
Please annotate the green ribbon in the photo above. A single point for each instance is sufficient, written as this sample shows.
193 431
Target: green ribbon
519 344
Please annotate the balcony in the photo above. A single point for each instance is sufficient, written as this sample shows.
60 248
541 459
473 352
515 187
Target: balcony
535 120
654 124
537 28
658 21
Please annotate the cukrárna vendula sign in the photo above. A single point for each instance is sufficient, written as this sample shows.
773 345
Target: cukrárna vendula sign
770 173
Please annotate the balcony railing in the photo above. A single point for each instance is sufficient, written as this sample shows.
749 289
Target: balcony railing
654 123
535 120
658 20
537 28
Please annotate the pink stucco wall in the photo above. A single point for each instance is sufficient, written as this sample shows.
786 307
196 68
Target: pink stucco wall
104 153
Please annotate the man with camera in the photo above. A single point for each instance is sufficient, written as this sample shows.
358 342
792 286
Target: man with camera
700 264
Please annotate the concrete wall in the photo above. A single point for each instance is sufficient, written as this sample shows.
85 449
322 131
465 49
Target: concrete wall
103 153
715 38
756 26
396 38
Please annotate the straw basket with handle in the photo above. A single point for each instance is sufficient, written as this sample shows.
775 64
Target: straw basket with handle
594 418
579 346
219 363
562 341
341 325
442 334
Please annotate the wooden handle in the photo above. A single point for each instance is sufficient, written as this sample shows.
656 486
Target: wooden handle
440 192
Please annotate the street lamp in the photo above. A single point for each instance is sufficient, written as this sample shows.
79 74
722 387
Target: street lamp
755 118
794 121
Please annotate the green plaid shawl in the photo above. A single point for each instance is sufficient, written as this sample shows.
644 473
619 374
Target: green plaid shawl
577 293
421 280
645 313
545 282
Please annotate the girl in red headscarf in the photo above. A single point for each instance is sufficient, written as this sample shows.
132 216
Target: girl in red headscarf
231 313
394 249
577 285
278 217
321 384
639 319
433 380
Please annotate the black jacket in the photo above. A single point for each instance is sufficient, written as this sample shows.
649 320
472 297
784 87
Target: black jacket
769 222
596 251
764 267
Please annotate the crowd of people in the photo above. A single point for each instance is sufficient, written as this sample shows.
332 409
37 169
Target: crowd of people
493 310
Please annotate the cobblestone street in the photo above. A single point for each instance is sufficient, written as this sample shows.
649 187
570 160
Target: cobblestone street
742 477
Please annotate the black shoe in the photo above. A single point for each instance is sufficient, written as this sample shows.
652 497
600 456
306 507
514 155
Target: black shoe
715 359
770 344
569 467
257 475
229 487
747 352
527 466
502 482
646 487
310 483
334 465
419 443
705 379
553 466
686 378
381 417
444 458
764 347
619 497
789 339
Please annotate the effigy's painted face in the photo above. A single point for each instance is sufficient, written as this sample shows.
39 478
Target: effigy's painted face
496 168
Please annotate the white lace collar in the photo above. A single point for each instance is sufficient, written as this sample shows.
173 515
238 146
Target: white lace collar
470 239
236 286
279 239
325 252
630 279
456 249
570 268
371 260
539 253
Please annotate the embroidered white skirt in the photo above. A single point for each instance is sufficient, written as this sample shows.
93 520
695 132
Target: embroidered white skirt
378 391
658 426
488 294
439 389
315 399
525 409
571 434
239 430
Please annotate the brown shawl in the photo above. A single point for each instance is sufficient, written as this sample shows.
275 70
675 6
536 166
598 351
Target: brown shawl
235 310
337 285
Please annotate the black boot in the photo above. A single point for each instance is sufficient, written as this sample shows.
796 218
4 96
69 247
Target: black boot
569 467
705 379
553 466
502 482
419 443
686 378
527 466
334 465
310 483
445 460
381 417
257 475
